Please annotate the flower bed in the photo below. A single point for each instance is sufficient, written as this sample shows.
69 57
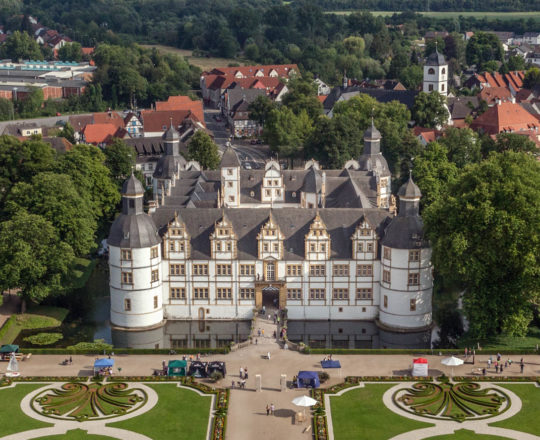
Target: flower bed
358 379
50 379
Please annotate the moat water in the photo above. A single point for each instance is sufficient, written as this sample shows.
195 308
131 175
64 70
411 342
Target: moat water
89 320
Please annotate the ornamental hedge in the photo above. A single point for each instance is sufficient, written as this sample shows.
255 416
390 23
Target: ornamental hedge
71 351
413 351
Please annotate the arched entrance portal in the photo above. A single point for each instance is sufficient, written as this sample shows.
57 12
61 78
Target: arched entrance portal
270 298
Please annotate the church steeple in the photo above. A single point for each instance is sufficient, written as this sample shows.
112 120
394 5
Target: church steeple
372 140
171 140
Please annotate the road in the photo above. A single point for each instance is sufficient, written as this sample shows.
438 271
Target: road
44 122
253 156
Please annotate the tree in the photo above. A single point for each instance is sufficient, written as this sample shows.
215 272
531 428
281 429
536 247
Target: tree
259 109
412 77
484 235
433 172
31 104
516 62
70 52
21 46
286 132
55 198
302 97
532 78
354 45
463 146
85 164
430 110
120 159
483 47
68 132
202 148
32 257
513 142
7 110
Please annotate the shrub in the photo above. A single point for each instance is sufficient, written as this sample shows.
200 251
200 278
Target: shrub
98 344
323 376
44 338
215 376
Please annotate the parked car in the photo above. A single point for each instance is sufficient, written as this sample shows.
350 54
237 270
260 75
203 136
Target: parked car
247 166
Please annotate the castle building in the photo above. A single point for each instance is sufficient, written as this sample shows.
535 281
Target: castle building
324 244
436 74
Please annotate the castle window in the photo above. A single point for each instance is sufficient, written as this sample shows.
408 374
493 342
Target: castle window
312 247
155 275
200 269
323 247
414 255
364 293
364 270
386 276
442 87
125 254
231 198
294 293
127 278
247 269
154 252
229 184
317 293
369 247
294 270
180 246
172 246
223 269
200 292
229 172
131 203
431 71
176 231
224 293
317 270
276 247
385 301
430 87
341 270
177 269
360 247
413 305
443 71
276 183
218 246
340 293
278 192
414 279
387 253
294 194
229 246
178 293
155 302
252 194
247 293
127 305
267 192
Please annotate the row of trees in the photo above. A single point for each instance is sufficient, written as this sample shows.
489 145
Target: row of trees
51 209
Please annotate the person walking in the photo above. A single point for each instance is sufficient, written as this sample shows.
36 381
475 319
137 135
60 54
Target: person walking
268 355
259 333
262 331
521 366
245 373
496 367
70 360
267 409
272 409
241 373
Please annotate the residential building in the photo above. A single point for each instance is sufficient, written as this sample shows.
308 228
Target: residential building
324 244
506 117
133 125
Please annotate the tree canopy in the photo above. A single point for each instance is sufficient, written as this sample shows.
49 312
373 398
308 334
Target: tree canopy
430 110
203 149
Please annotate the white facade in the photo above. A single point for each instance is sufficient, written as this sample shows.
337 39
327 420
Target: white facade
436 79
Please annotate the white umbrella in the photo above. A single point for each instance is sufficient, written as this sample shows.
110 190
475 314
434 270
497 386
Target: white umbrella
452 361
304 401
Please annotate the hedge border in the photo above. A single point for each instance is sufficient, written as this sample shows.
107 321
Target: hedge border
72 351
412 351
7 325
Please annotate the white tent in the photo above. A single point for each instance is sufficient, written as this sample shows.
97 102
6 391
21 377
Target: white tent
420 367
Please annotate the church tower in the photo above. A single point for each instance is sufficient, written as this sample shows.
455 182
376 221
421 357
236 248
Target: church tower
436 74
230 178
135 263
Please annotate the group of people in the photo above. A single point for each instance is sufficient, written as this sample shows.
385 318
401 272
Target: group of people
270 409
243 376
105 371
499 366
67 361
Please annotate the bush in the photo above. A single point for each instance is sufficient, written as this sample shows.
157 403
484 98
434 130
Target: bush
323 376
98 345
44 338
215 376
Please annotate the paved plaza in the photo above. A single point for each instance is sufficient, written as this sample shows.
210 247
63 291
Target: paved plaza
247 412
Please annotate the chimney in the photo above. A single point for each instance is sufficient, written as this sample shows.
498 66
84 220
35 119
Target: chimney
498 101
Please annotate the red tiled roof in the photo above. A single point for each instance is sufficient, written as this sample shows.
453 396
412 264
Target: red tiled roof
87 50
182 103
154 121
492 94
514 79
99 133
109 118
322 98
282 70
505 117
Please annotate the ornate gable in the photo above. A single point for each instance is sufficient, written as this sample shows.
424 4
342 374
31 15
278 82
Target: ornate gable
176 241
223 239
317 240
270 239
364 240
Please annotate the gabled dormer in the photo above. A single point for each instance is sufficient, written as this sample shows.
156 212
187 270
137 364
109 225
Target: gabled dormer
176 241
270 240
317 241
273 189
223 240
364 241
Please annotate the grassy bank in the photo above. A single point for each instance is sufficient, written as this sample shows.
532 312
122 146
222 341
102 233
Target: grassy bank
450 15
36 317
503 342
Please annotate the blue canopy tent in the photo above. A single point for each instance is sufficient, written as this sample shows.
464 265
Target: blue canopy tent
308 379
100 364
330 364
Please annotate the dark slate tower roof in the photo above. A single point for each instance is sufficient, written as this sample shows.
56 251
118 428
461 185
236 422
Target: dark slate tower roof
372 158
406 230
229 158
436 59
171 134
133 228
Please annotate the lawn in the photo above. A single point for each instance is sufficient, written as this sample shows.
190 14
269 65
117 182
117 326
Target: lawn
77 434
452 14
463 434
12 419
361 413
205 63
503 342
37 317
185 411
527 419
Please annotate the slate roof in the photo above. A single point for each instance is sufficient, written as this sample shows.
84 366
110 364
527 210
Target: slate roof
436 59
459 107
294 224
132 187
405 97
133 231
229 158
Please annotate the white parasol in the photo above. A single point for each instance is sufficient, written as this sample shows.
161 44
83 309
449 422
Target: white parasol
13 367
452 361
304 401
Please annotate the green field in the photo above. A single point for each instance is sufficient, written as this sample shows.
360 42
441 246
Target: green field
527 419
463 434
77 434
479 15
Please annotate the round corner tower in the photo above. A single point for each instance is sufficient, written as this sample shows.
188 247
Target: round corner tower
406 277
135 263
